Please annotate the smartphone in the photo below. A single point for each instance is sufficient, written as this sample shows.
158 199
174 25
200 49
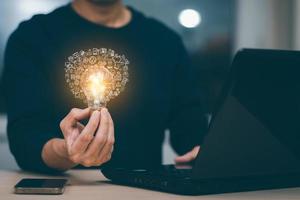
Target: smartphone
40 186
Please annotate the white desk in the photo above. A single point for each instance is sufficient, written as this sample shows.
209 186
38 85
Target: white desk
90 184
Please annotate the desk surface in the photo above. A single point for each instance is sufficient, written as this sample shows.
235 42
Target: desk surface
90 184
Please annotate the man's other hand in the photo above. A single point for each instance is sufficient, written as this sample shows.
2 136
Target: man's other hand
188 157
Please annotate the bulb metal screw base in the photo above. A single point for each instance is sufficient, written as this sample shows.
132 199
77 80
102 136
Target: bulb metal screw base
96 104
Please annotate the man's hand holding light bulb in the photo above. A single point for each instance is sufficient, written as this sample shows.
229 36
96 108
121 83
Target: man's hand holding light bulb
89 145
97 78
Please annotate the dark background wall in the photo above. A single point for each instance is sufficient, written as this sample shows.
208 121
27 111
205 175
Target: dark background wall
211 38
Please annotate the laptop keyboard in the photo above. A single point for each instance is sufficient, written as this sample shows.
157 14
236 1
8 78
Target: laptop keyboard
166 178
171 170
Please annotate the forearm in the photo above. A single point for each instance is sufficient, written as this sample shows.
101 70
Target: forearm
188 128
55 155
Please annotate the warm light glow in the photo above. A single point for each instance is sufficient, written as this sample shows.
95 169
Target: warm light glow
96 85
189 18
96 75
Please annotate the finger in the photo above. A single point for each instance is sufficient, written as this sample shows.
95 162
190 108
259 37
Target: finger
92 124
70 138
184 158
74 134
80 126
74 116
83 140
188 157
101 136
105 153
104 122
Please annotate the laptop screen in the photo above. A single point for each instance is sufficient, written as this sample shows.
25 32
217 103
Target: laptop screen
269 88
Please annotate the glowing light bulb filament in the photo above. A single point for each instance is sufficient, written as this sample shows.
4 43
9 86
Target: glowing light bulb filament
96 88
96 85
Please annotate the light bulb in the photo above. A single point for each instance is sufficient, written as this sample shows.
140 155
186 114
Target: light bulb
96 75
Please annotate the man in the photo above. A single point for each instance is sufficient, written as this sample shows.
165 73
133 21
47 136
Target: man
44 135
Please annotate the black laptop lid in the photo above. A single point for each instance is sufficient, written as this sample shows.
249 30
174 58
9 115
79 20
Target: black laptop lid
256 129
268 86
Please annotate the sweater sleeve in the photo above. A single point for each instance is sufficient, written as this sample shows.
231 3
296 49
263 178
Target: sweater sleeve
187 122
30 122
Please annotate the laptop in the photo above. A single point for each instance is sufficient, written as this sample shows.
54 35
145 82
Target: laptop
253 139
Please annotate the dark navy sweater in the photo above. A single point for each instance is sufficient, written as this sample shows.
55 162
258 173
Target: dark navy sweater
160 95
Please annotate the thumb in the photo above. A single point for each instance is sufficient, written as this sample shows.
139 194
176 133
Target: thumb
188 157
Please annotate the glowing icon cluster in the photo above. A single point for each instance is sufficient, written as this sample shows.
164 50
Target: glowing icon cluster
96 75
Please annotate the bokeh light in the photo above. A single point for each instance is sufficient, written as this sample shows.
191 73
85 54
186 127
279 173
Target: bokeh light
189 18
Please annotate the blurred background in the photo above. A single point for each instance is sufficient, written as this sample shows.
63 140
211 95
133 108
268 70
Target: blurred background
212 30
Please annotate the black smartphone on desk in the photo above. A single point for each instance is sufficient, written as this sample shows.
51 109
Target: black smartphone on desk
40 186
